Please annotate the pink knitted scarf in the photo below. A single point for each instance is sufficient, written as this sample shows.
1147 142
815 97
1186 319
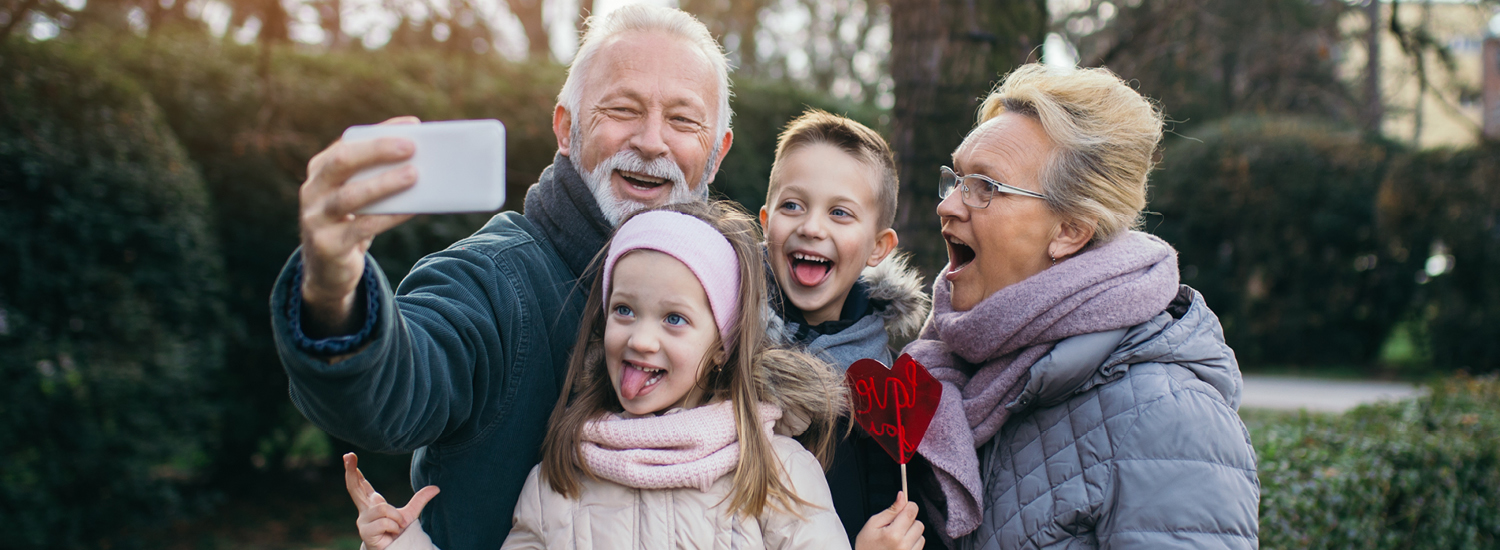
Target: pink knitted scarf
983 356
684 448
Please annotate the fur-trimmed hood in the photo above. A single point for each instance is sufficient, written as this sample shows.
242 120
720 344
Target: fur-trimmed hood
896 295
804 387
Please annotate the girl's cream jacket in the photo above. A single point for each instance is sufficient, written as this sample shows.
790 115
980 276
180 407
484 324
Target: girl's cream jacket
608 515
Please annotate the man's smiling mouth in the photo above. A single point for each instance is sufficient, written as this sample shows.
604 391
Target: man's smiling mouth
642 181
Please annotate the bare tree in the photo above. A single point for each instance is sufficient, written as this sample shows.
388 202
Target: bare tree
538 44
945 56
1372 111
1205 59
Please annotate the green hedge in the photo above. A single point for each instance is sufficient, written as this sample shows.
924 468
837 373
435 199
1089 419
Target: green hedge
1417 474
154 201
111 310
1310 241
1453 198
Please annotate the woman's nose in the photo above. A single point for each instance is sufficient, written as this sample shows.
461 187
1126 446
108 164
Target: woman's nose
953 206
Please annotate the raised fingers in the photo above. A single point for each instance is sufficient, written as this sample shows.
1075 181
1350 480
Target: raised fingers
333 166
418 501
353 196
354 481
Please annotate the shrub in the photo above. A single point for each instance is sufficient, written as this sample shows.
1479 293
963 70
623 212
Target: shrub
110 305
1452 199
1417 474
251 119
1275 224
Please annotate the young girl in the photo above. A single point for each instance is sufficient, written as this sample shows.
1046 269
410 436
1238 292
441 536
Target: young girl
675 425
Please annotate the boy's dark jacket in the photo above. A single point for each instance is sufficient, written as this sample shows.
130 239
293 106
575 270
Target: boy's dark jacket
887 303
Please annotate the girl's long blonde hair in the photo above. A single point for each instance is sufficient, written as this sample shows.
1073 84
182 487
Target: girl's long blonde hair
752 372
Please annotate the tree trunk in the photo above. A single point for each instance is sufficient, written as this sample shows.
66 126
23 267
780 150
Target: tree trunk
530 14
946 55
1373 111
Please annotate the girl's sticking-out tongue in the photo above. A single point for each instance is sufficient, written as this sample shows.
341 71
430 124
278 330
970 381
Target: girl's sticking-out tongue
634 382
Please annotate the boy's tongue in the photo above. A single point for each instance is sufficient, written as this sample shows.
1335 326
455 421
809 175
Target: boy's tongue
632 381
810 273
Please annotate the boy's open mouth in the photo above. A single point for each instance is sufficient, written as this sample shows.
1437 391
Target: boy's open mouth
637 380
809 269
640 180
959 254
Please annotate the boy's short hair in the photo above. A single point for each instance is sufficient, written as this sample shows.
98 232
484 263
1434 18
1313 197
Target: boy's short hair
818 126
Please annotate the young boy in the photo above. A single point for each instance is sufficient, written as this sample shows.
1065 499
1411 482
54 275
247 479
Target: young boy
839 290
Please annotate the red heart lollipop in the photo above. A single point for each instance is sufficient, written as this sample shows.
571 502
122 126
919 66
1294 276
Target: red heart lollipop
894 405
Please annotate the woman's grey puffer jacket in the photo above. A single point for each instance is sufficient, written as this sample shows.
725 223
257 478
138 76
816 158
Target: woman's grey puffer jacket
1126 439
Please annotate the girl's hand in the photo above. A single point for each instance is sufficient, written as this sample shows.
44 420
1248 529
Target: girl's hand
379 522
894 528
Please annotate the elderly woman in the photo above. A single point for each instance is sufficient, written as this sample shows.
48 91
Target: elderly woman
1088 398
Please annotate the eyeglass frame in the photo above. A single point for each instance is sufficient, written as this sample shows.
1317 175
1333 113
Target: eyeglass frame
944 190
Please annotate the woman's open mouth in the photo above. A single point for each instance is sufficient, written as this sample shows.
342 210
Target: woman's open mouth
637 380
809 269
959 254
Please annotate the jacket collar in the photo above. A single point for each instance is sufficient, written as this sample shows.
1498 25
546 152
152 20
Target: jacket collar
564 209
1187 334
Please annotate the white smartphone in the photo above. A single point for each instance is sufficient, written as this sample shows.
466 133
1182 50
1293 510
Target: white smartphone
460 166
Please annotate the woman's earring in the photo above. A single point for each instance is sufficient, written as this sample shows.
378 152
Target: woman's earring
1054 259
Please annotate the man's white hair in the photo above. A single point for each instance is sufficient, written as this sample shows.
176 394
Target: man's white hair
669 21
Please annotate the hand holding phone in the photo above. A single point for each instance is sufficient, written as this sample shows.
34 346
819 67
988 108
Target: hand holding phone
460 166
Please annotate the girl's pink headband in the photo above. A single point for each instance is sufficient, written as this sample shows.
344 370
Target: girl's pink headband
697 245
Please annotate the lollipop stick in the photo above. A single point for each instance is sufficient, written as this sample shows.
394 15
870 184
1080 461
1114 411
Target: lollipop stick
903 479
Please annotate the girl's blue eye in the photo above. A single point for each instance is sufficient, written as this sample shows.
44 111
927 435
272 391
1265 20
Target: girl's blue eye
840 212
790 206
675 319
623 310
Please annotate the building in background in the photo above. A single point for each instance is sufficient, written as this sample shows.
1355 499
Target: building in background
1449 111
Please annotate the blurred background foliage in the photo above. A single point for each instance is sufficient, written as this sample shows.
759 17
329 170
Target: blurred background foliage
150 154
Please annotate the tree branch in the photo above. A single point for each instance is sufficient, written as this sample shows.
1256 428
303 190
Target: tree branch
15 19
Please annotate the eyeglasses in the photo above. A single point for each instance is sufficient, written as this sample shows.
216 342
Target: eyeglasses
978 196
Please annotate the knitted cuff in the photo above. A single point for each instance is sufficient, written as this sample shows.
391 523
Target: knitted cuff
334 345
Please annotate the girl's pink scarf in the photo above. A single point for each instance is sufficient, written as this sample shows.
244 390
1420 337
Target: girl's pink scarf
983 356
682 448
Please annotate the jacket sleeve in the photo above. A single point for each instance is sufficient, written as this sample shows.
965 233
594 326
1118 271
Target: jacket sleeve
1183 476
819 527
526 529
415 379
413 538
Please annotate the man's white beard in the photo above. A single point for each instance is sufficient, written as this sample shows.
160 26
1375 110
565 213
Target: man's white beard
615 208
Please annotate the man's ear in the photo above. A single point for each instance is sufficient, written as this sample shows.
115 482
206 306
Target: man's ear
723 150
562 127
885 242
1071 237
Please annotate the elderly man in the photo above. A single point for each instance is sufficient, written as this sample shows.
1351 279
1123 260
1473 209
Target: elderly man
463 362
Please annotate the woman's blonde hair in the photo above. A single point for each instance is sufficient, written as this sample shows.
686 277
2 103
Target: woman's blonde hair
750 374
1105 134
